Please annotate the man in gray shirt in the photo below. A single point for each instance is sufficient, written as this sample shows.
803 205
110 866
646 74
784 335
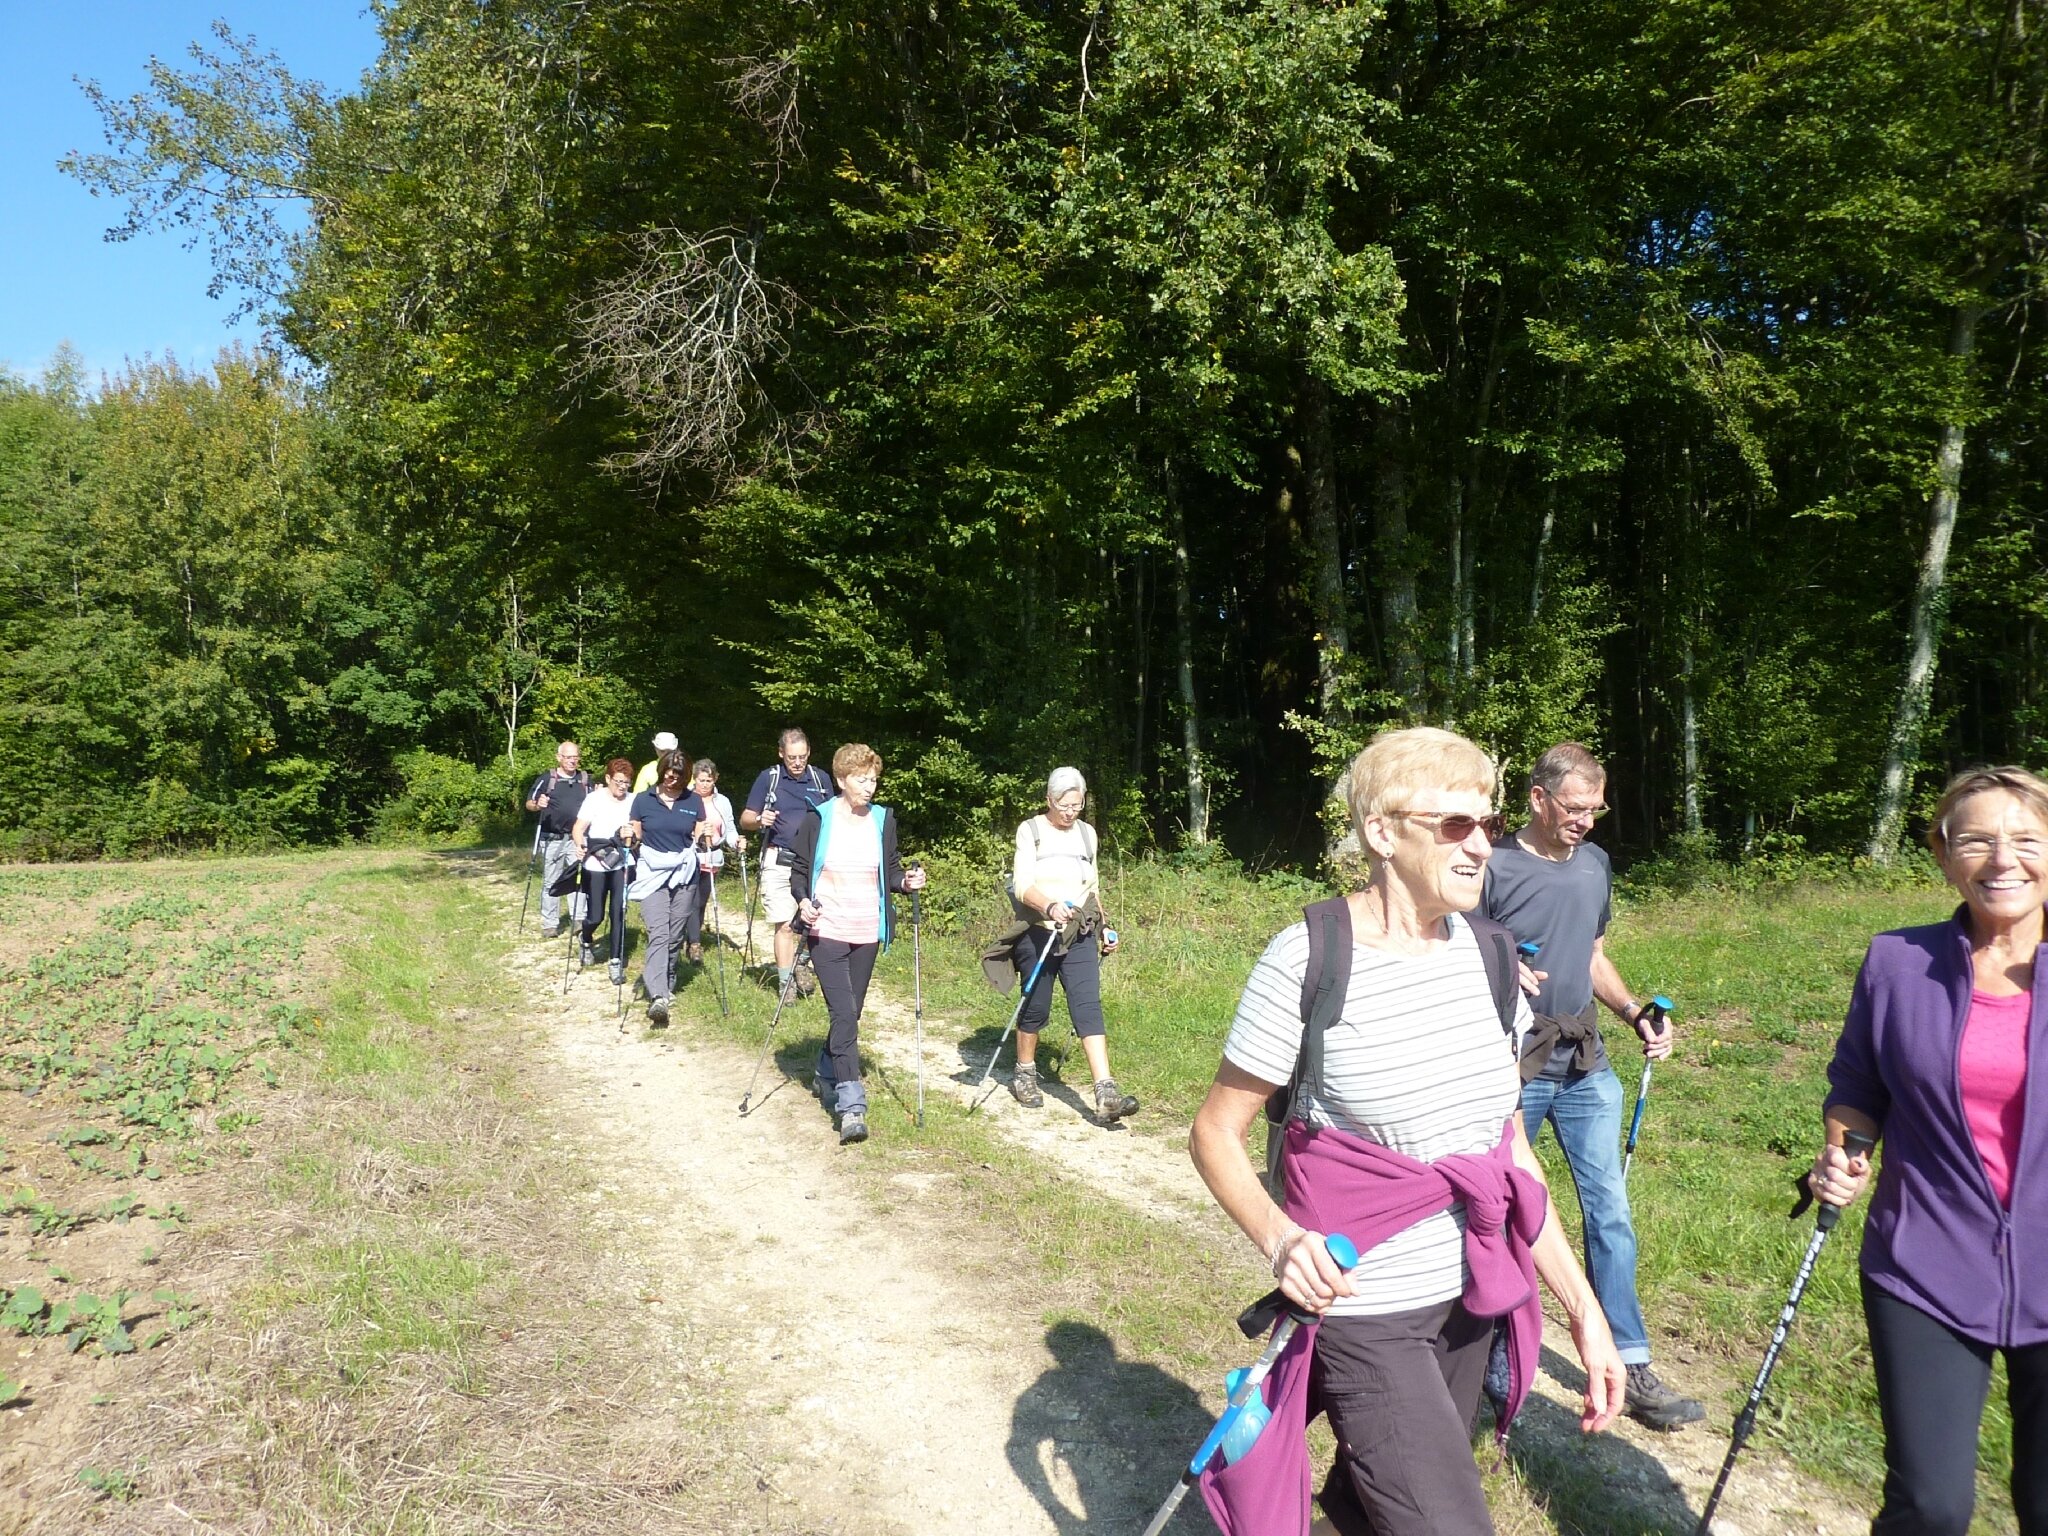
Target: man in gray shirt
1548 885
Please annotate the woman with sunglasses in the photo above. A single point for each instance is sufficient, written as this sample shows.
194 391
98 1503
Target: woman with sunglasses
1402 1134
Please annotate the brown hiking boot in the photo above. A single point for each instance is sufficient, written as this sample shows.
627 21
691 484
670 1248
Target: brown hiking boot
1112 1103
1024 1086
696 952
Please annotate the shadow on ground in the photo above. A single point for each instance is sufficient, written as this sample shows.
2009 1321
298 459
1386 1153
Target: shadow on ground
1072 1441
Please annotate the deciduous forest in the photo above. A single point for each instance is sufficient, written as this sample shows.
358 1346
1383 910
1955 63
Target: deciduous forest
1178 388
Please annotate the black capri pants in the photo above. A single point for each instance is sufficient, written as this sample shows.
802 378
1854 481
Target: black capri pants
1931 1386
1079 973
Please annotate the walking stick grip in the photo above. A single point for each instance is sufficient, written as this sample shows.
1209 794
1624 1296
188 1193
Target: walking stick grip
1854 1144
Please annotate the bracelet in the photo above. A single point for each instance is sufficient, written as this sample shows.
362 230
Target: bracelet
1288 1239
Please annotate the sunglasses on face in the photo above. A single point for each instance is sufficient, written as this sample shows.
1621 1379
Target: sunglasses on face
1455 827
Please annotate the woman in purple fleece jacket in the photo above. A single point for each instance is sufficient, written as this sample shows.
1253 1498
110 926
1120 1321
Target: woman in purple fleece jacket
1934 1060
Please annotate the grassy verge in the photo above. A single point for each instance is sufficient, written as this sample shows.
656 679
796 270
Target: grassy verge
1761 980
413 1324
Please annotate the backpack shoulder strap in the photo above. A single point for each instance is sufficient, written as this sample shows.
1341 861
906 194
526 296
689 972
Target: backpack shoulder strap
1503 976
1033 825
774 780
1323 987
1090 840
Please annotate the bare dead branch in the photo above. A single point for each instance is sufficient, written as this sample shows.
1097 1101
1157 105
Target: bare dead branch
682 339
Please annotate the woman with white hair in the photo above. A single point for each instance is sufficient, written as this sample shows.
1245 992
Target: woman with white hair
1402 1133
1054 877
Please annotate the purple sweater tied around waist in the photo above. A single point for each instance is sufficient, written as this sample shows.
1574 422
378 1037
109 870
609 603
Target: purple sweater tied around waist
1337 1182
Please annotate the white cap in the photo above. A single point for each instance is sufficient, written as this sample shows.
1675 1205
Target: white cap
665 741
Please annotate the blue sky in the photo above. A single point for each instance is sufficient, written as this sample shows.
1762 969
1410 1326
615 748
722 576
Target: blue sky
59 279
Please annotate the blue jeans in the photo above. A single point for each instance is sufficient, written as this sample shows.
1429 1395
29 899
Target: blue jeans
1586 1112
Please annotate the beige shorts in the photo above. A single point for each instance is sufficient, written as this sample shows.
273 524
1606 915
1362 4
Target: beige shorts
775 898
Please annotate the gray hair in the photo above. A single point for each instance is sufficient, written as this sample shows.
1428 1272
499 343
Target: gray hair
1060 780
1564 761
790 738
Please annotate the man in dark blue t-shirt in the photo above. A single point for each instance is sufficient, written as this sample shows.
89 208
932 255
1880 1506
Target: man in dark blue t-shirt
776 806
1548 884
556 797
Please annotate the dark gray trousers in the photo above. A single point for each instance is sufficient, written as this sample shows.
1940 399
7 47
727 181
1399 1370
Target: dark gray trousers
1931 1386
1402 1391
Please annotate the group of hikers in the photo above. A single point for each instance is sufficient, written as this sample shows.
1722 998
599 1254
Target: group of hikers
1408 1043
829 863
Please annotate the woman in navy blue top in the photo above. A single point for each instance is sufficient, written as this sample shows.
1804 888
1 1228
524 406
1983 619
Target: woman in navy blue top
669 826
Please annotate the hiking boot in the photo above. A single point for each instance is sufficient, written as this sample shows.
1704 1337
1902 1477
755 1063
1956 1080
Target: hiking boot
657 1013
788 994
1651 1402
1112 1103
853 1126
617 971
551 930
696 954
1024 1086
806 978
589 954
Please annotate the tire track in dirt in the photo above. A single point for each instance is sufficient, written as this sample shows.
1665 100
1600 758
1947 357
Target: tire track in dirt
1665 1476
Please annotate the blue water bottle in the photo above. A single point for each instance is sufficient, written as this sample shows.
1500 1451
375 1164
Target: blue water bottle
1245 1430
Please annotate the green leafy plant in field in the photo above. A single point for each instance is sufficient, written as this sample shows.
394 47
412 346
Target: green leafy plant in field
10 1389
116 1483
87 1319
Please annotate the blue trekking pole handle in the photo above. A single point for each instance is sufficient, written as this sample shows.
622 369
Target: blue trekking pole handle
1345 1252
1659 1009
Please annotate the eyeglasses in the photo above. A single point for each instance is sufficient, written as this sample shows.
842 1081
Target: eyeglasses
1974 846
1574 812
1455 827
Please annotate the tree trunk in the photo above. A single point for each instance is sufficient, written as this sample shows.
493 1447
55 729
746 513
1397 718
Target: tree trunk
1397 568
1543 535
1923 632
1690 735
1326 555
1141 632
1184 639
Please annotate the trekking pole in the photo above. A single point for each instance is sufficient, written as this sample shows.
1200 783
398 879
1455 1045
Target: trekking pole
531 859
1660 1009
1029 987
747 901
1855 1144
574 927
781 1002
617 905
1255 1319
718 943
917 989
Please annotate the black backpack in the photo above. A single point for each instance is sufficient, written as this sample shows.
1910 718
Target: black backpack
1323 986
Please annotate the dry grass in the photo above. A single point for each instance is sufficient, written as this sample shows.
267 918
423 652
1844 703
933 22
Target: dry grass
414 1325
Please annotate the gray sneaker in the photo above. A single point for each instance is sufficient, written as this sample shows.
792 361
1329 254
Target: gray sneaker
617 970
657 1013
1024 1086
1111 1102
1652 1403
853 1126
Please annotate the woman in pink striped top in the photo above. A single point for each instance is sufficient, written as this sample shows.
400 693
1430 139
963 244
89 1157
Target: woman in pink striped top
843 867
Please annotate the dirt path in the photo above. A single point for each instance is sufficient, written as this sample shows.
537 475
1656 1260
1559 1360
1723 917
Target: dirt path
887 1401
891 1396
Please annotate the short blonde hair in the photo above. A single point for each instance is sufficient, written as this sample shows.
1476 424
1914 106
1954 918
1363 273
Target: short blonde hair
856 757
2022 785
1398 763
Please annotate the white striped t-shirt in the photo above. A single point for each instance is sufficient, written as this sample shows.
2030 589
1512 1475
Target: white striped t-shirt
1417 1061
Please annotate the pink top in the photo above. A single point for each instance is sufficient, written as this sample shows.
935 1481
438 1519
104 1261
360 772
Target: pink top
1993 1072
850 885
